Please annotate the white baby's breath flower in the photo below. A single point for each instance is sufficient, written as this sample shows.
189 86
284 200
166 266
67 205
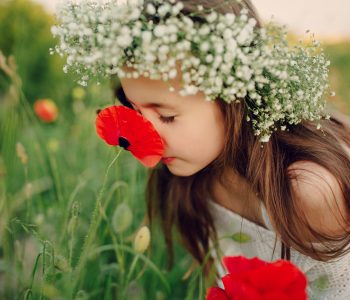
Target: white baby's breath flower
55 30
179 5
204 47
228 33
146 37
150 9
164 49
160 30
204 30
212 17
191 90
219 48
220 27
164 9
136 32
231 44
124 41
243 36
209 58
229 18
227 57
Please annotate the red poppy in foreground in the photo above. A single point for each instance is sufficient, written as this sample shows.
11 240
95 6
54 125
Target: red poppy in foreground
255 279
46 110
125 127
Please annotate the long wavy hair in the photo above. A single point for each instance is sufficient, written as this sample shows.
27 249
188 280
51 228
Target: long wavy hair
183 201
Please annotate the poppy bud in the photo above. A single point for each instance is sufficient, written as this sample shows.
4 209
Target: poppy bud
46 110
122 218
142 239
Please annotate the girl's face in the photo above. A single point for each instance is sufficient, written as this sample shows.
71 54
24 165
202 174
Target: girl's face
191 128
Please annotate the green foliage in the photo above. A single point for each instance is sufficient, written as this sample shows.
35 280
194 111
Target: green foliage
25 32
340 73
59 192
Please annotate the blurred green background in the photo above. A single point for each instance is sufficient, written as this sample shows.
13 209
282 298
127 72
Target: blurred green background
68 217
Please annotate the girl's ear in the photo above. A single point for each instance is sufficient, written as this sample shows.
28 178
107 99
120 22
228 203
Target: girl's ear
119 93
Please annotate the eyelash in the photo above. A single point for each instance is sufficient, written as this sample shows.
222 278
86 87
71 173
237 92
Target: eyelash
163 118
166 119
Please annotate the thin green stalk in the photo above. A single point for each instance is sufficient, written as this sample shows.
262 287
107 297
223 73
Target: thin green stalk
132 268
72 240
28 295
128 276
56 178
201 296
90 237
43 268
33 274
144 258
72 196
199 271
119 252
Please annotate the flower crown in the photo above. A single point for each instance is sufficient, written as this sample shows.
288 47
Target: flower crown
224 56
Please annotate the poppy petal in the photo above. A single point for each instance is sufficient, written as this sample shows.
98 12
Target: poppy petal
237 288
216 293
238 264
281 273
145 143
107 125
143 140
276 295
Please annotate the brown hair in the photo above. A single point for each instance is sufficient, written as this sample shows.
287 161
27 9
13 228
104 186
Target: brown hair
177 200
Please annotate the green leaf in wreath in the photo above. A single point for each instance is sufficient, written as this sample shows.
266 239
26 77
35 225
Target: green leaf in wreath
241 237
321 282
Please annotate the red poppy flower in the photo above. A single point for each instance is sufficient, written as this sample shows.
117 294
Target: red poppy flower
216 293
46 110
255 279
125 127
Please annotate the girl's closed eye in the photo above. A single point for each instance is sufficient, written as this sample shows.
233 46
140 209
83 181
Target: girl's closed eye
166 119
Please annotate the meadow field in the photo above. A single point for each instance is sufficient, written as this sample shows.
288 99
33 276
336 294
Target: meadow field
71 206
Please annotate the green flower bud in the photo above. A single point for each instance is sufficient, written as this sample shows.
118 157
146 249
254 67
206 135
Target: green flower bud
142 239
122 218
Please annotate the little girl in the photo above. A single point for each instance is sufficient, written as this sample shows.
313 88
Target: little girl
258 163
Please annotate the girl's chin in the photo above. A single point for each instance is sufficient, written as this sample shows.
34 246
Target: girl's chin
183 171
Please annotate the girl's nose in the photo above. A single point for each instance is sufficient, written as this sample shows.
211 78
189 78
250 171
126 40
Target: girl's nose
158 127
160 132
151 117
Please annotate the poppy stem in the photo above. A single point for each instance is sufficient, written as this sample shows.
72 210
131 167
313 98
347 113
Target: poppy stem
91 234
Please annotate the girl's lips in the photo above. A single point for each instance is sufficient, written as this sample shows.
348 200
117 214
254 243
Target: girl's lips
167 160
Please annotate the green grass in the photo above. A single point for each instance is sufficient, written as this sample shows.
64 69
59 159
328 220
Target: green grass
56 211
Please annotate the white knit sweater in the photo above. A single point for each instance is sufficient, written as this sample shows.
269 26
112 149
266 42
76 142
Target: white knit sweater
326 280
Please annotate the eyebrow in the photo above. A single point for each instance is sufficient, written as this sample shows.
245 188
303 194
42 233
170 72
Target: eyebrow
156 105
147 105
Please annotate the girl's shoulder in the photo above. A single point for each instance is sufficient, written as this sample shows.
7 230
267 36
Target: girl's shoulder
319 196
